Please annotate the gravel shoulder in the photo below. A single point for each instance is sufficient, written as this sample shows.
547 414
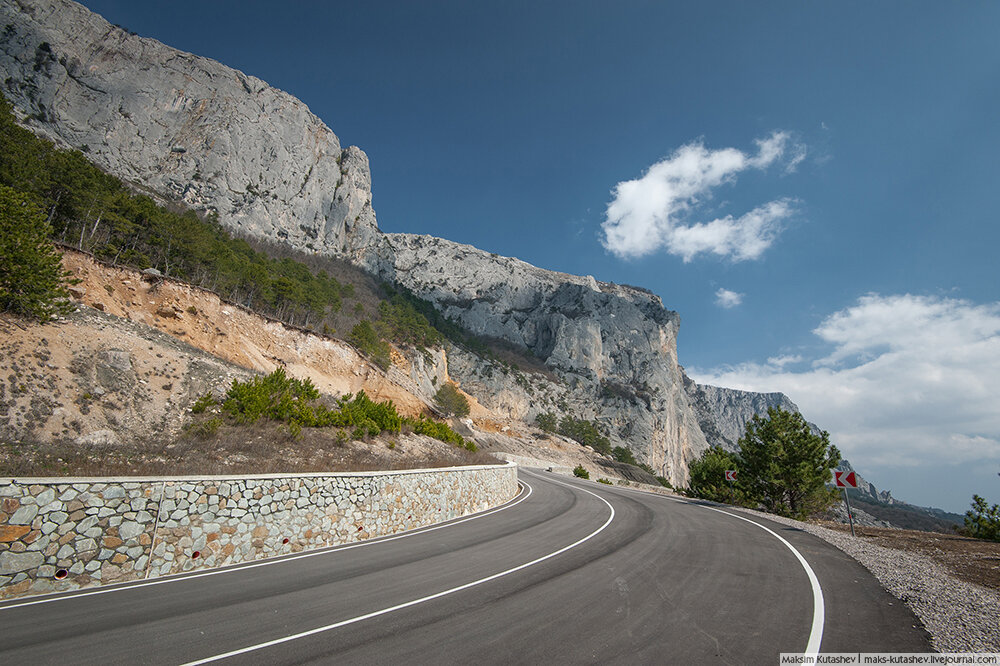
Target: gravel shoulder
931 573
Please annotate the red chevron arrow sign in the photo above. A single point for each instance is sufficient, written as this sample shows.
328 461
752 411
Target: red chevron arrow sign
845 479
730 475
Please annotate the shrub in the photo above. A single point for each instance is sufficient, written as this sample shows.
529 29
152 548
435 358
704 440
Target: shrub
982 521
605 482
547 422
276 397
360 411
585 432
440 431
364 337
622 454
708 476
663 482
451 401
202 404
581 472
205 429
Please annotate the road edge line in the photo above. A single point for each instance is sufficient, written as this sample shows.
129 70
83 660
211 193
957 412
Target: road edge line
270 561
414 602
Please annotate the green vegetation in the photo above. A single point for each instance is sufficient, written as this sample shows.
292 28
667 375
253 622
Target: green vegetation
782 467
202 404
204 429
451 401
982 521
364 337
403 323
32 280
586 433
583 432
97 213
581 472
605 482
278 397
547 422
708 476
439 430
785 467
622 454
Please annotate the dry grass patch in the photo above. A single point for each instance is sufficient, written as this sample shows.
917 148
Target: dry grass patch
260 448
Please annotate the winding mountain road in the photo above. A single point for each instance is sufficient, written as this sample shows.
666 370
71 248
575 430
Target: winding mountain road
567 572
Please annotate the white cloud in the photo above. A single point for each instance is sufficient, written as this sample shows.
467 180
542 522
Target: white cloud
910 381
782 361
727 299
651 212
745 237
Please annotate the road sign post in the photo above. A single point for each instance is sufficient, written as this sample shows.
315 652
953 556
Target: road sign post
731 478
846 480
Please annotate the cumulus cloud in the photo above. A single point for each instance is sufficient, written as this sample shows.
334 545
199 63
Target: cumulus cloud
908 381
727 299
652 212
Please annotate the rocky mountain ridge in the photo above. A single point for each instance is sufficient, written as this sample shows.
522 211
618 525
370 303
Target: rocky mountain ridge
613 346
187 128
723 413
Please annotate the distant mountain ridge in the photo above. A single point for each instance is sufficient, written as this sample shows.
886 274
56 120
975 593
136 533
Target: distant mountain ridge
724 413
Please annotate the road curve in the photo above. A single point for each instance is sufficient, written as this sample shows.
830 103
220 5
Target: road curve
568 572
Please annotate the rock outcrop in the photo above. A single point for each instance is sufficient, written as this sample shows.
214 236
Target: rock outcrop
723 413
187 128
612 348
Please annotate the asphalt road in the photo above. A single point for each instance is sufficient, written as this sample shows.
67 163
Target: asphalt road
568 572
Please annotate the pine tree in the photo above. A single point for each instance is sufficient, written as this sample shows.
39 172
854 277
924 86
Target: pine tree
983 520
785 466
451 401
32 279
708 476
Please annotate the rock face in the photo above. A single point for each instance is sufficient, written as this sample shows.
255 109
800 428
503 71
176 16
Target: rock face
723 413
613 346
187 128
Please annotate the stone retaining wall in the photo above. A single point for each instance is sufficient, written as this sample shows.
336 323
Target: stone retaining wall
62 534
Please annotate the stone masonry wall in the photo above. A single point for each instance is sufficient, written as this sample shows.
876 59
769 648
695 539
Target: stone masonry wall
63 534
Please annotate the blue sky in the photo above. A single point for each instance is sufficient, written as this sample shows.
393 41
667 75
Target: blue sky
812 186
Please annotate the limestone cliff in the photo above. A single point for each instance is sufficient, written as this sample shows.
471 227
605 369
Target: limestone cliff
612 347
724 413
187 128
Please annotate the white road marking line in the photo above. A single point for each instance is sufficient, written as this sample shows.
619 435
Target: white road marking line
421 600
281 559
